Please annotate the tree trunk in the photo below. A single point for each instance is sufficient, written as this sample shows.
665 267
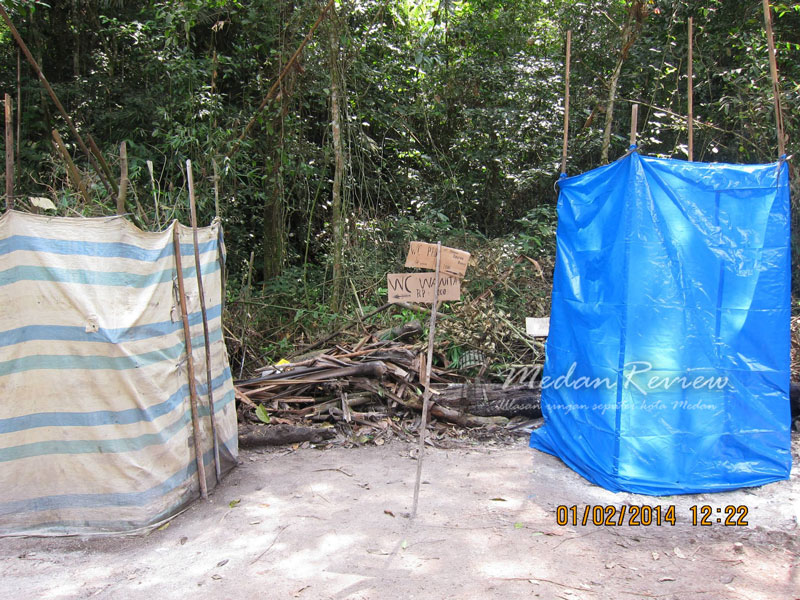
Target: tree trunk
337 217
274 218
274 233
490 399
280 435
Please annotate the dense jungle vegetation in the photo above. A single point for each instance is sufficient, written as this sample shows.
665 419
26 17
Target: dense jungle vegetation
400 120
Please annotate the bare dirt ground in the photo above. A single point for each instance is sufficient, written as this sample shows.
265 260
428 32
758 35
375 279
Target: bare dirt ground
330 524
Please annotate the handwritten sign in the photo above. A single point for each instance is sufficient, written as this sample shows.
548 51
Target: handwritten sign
423 255
418 287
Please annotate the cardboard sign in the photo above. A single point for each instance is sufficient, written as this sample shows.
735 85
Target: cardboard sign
418 287
423 255
537 327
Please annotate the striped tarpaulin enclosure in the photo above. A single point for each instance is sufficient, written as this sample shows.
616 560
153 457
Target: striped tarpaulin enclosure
95 418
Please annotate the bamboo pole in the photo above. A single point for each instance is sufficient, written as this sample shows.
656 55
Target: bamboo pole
566 105
198 451
690 93
776 92
56 101
634 123
72 170
216 187
9 153
123 178
206 337
426 396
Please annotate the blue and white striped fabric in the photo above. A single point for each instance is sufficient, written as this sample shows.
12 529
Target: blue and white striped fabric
95 419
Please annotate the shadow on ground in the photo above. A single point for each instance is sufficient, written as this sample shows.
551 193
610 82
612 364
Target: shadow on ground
333 525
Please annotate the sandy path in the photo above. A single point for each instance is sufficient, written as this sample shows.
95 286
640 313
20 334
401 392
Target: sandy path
329 525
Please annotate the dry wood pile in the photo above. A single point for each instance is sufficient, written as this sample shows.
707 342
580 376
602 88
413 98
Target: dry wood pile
371 389
374 387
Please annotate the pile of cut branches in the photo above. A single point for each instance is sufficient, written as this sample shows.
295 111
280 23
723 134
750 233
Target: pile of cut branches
373 386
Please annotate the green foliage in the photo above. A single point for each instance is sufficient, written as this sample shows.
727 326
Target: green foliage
537 235
452 121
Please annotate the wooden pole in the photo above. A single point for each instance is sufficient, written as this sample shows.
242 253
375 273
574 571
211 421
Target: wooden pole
426 396
56 101
216 187
9 153
72 170
634 123
123 178
155 193
19 113
690 93
246 321
206 337
198 451
776 92
566 105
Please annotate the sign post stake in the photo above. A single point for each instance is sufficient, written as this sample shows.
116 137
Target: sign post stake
426 396
428 287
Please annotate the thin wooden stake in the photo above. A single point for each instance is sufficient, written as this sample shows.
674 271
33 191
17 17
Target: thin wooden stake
690 93
72 170
216 187
634 123
198 450
246 321
123 178
206 337
776 91
426 396
9 153
155 193
566 105
19 113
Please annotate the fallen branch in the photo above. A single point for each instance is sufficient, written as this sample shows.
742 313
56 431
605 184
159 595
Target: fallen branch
280 435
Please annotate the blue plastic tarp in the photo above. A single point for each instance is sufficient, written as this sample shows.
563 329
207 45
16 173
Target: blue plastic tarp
667 363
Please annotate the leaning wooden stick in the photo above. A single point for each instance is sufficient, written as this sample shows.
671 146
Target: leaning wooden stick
690 93
426 395
206 337
56 101
275 86
566 106
198 449
72 171
776 91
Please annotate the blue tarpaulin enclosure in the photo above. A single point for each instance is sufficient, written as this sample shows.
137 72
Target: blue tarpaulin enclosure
667 365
